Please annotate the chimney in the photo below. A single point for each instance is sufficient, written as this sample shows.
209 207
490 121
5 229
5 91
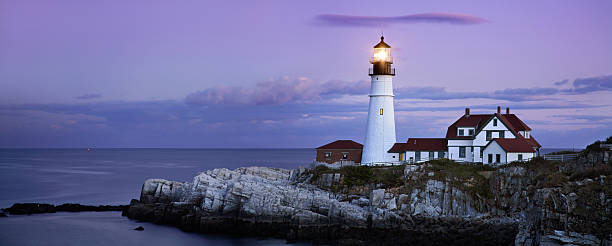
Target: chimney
507 110
467 112
498 109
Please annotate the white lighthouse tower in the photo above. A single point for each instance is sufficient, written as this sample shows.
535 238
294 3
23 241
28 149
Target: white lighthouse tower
380 131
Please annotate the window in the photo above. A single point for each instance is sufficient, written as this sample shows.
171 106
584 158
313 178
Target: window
431 155
344 155
520 157
381 111
488 135
497 157
471 132
440 154
417 156
490 158
501 134
461 152
494 122
481 150
472 149
460 132
327 155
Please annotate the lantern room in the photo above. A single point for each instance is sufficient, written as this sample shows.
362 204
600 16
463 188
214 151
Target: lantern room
382 59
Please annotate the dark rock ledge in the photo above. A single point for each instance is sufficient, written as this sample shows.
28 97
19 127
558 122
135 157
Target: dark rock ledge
39 208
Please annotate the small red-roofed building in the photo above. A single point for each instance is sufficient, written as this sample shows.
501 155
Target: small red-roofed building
340 150
421 149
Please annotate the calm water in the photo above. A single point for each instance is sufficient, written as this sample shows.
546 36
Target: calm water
104 228
114 176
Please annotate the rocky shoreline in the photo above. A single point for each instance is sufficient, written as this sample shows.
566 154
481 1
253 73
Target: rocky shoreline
439 202
300 205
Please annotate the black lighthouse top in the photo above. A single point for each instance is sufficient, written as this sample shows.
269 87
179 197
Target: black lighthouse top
382 59
382 43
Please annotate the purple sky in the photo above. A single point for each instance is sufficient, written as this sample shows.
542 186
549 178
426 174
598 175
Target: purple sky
294 73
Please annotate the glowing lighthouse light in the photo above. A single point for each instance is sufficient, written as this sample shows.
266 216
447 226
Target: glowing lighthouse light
381 54
380 131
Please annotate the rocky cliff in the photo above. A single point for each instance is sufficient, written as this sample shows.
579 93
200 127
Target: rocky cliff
429 204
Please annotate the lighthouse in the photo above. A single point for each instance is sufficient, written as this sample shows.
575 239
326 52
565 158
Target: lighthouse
380 130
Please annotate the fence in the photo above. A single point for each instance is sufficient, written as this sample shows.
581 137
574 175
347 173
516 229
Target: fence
561 157
334 165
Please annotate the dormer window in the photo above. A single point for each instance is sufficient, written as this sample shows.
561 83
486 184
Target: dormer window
494 122
461 131
471 132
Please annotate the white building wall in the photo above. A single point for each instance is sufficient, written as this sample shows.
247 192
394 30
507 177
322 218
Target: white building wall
424 155
481 137
477 151
380 130
453 149
494 149
512 156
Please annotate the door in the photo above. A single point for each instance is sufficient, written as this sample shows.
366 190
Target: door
497 157
490 158
401 157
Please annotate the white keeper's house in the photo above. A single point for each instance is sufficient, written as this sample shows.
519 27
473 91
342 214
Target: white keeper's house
486 138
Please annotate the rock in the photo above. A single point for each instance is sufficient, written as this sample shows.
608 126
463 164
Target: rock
2 214
377 196
37 208
266 202
140 228
30 208
510 206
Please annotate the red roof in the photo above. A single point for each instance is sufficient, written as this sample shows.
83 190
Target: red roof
473 120
478 121
514 144
420 144
342 144
517 123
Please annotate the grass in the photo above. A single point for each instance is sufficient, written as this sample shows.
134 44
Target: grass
352 176
465 176
592 172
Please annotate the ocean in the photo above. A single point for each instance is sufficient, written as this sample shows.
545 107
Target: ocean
115 176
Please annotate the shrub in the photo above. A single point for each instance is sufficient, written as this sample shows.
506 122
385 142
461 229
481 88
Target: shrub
356 175
591 172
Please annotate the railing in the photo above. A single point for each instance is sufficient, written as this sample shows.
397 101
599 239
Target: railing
395 163
388 59
562 157
390 72
335 165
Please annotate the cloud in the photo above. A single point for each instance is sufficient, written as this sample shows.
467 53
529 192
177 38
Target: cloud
89 96
436 93
593 84
562 82
377 21
299 90
278 91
